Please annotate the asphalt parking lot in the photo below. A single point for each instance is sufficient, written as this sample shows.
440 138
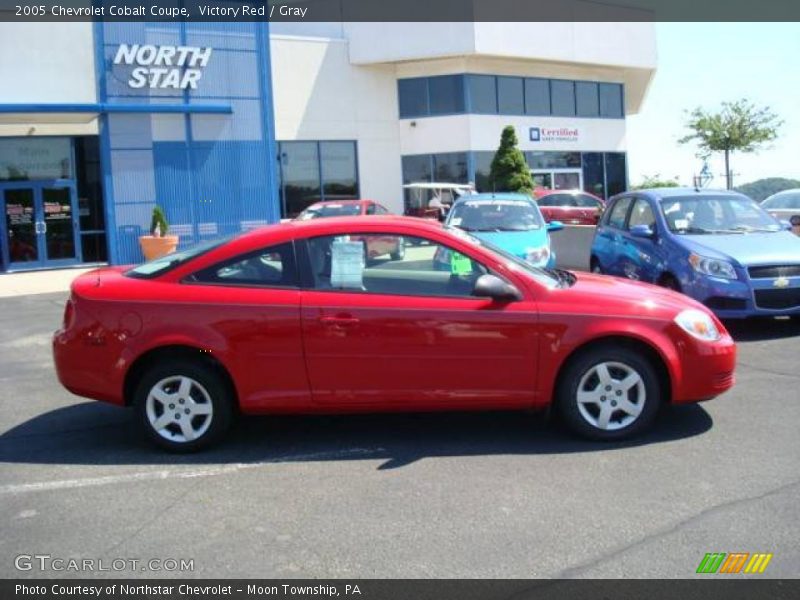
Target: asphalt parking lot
446 495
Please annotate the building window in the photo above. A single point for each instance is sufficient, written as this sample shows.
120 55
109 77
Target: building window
611 100
417 169
446 94
315 171
537 97
482 92
450 167
553 160
90 199
593 178
482 163
510 96
587 103
562 94
616 173
413 97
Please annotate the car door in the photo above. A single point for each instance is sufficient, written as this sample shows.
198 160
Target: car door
642 255
609 244
409 333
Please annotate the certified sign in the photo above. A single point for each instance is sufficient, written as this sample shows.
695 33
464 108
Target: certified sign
553 134
163 67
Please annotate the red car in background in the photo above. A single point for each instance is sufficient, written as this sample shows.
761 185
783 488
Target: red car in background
287 319
375 246
571 207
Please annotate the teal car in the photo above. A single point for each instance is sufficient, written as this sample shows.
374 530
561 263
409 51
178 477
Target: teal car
512 222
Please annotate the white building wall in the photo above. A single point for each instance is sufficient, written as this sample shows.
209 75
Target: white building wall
319 95
47 63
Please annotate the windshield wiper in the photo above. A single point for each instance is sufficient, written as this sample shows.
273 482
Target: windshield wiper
749 229
702 230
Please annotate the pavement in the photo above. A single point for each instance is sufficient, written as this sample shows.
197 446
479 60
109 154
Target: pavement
485 495
38 282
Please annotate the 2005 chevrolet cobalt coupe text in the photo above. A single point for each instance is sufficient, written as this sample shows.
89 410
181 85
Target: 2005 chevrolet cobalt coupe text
290 319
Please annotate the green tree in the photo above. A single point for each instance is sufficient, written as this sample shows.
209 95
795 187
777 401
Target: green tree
509 171
761 189
655 181
738 127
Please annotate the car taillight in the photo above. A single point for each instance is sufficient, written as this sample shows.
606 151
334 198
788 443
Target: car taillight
69 313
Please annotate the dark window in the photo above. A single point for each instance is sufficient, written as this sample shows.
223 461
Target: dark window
339 172
300 175
269 267
553 160
537 97
446 94
431 270
417 169
557 200
510 96
586 99
413 97
593 177
642 214
450 167
586 201
616 180
482 93
616 218
381 210
563 98
611 100
483 166
93 247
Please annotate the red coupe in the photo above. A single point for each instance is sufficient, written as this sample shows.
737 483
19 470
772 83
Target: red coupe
290 319
573 207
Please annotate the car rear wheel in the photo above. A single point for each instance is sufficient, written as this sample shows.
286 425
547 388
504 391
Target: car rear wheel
184 406
609 393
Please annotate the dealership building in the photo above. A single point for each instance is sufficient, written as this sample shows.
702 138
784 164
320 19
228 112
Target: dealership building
230 126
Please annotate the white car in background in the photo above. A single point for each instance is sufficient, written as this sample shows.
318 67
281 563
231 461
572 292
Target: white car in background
785 206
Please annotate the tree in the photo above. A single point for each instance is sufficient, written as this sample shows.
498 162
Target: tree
509 171
738 127
655 181
761 189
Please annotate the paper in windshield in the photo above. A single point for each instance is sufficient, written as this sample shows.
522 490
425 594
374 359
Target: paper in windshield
347 264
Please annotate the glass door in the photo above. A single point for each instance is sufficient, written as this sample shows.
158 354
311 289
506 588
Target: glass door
558 179
40 225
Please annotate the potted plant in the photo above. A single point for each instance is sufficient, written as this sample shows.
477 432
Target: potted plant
158 243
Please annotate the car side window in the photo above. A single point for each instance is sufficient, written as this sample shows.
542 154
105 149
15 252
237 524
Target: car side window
390 264
371 209
270 267
379 210
616 217
642 214
557 200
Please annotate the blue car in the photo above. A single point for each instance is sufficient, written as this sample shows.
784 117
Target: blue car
512 222
721 248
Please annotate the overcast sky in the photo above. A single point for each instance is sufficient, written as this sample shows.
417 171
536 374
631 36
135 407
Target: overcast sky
704 64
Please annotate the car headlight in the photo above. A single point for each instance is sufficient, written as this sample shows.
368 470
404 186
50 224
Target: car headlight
537 255
698 324
712 266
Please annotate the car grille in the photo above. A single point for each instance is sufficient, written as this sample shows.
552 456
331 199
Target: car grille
778 299
774 271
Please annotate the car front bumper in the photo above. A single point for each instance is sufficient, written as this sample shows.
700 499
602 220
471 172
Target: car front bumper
746 297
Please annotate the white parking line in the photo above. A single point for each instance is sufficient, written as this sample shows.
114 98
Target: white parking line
172 474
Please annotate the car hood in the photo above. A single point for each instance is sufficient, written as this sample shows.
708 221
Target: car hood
619 296
747 248
515 242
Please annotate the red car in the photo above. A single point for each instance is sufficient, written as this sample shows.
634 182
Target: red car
375 246
573 207
288 319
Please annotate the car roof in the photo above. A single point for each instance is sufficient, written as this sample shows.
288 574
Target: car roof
673 192
789 192
489 197
339 224
349 201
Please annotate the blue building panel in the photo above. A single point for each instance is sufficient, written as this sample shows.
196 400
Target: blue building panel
212 172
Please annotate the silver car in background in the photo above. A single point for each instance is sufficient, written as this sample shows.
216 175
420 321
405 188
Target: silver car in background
785 206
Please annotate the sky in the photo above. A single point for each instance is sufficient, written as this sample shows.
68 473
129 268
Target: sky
705 64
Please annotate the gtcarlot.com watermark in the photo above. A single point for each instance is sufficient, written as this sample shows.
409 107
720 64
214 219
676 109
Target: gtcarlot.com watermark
47 562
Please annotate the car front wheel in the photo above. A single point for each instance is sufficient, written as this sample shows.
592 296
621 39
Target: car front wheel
183 406
609 393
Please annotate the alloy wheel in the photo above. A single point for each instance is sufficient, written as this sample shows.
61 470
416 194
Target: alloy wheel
611 396
179 409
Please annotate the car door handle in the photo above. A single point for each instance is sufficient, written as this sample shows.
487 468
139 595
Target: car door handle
339 321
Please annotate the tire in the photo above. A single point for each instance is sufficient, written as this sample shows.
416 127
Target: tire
199 395
599 413
668 281
400 253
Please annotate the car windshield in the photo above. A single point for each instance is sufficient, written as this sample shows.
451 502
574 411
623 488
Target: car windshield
790 200
329 210
495 215
161 265
716 214
546 277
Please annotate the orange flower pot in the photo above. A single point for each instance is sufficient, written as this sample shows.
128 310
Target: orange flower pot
156 247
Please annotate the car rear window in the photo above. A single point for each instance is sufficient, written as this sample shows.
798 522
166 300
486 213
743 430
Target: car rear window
162 265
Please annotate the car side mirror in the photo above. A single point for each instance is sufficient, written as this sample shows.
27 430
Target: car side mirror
491 286
642 231
555 226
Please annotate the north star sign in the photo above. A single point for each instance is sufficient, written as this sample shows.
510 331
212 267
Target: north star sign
163 67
